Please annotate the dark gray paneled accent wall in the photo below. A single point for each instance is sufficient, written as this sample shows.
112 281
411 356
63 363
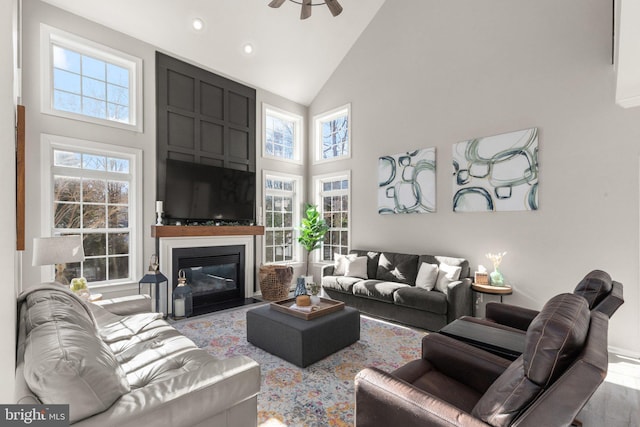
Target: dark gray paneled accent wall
202 118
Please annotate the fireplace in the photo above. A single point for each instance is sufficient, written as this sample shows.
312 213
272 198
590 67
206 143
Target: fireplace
215 274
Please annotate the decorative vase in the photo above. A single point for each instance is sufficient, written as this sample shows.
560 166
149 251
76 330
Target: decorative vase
300 287
497 279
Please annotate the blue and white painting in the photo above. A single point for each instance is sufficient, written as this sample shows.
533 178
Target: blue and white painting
496 173
407 182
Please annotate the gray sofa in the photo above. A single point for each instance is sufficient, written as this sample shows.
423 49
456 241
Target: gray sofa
125 370
389 289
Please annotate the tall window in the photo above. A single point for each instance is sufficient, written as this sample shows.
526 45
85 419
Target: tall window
332 134
281 213
89 82
334 201
92 194
282 138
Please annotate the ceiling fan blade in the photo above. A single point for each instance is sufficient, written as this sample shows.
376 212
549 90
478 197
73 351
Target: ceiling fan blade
306 9
334 7
276 3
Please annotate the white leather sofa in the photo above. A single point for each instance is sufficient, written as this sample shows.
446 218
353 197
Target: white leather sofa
125 369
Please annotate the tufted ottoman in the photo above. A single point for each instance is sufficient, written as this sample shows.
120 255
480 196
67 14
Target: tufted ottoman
302 342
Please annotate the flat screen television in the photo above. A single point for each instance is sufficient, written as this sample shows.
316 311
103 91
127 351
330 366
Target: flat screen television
196 192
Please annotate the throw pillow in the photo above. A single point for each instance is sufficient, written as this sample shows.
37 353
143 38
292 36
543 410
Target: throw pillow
357 267
447 274
427 276
340 263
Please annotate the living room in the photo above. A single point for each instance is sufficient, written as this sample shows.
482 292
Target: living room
419 75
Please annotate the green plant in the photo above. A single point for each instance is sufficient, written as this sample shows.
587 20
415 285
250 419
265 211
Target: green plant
314 288
312 230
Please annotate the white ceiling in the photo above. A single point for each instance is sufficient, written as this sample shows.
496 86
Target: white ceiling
292 58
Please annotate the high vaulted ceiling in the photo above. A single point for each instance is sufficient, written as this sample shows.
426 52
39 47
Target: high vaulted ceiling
291 57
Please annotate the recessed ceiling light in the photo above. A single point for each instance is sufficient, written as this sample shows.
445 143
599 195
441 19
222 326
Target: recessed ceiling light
247 48
198 24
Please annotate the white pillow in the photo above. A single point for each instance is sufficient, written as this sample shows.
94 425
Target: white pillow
340 263
427 276
357 267
447 274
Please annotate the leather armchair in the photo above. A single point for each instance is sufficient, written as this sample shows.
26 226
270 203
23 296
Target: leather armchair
455 384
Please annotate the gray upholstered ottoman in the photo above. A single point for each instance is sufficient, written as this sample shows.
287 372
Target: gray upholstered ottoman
302 342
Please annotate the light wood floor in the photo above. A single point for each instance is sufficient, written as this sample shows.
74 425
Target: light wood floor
616 403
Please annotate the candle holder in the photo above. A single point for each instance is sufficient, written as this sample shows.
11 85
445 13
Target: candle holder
159 212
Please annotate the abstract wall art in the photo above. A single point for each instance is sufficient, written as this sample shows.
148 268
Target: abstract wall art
407 182
496 173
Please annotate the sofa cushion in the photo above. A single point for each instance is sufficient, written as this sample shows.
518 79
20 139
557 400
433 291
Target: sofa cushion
372 261
595 286
340 283
377 289
65 360
395 267
447 274
427 276
421 299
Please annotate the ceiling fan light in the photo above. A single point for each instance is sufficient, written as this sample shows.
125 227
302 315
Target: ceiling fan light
334 7
305 12
276 3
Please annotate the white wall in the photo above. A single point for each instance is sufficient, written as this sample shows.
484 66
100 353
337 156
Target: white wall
432 73
7 194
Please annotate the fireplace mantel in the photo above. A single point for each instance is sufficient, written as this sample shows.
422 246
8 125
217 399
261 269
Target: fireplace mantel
159 231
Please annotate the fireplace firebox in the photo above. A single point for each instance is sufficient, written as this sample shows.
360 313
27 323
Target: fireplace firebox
216 275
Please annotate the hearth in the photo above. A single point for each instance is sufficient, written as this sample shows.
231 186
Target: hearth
216 275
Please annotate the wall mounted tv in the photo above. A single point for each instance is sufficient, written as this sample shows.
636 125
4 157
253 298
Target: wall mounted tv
197 193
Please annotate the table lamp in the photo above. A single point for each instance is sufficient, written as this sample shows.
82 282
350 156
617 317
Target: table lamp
58 251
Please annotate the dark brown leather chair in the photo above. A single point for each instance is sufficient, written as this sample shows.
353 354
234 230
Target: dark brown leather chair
601 292
455 384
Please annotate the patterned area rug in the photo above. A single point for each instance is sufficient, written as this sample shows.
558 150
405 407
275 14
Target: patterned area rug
319 395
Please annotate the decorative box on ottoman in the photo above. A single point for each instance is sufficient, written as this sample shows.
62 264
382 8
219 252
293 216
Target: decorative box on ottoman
299 341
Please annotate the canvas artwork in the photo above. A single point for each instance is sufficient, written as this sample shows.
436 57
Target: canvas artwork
496 173
407 182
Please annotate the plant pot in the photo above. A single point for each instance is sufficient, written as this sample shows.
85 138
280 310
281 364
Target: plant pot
315 299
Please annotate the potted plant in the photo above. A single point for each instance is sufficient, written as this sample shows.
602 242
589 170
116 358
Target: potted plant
312 230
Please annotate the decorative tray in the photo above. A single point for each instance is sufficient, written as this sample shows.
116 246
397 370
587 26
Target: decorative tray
326 306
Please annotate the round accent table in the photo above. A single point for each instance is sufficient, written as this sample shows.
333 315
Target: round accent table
489 290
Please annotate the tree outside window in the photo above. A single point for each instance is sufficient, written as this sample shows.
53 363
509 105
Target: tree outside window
333 134
334 196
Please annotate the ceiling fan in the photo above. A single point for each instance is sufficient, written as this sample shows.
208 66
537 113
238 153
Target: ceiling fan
333 5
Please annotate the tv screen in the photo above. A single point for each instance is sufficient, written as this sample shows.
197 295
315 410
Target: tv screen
208 193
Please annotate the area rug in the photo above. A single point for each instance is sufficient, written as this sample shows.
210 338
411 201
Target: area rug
319 395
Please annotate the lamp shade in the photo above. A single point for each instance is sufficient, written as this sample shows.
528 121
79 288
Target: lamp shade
57 250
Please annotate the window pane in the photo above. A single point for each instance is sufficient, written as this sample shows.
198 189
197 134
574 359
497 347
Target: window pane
118 165
66 189
118 192
269 254
94 88
118 243
93 68
118 94
98 163
94 216
72 270
118 267
118 113
95 269
95 244
268 238
66 215
66 59
65 101
117 75
94 108
65 158
269 203
268 219
66 81
118 217
94 190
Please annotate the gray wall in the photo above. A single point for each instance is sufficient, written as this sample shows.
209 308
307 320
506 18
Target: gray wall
7 194
429 74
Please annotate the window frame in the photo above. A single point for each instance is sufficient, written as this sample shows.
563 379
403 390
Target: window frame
296 217
318 120
49 143
298 132
50 36
319 180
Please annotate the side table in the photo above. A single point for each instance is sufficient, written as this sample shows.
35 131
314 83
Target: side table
489 290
